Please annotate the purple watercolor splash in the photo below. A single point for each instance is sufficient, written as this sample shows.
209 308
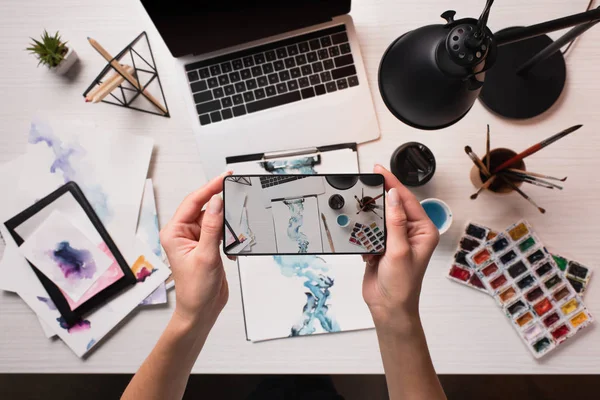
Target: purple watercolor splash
74 264
63 156
48 302
80 326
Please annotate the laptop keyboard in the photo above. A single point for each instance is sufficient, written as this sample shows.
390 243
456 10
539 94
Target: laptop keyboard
272 75
273 180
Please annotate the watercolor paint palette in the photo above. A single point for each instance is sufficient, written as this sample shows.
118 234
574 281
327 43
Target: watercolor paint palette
461 270
370 237
530 288
576 274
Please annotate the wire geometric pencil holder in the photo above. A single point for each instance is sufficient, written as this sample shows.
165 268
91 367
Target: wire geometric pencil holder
127 93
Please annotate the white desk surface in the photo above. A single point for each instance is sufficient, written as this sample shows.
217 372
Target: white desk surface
465 330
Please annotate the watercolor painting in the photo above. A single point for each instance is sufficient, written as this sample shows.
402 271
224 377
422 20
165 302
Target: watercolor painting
314 295
89 332
148 231
313 271
65 255
142 269
297 225
102 163
66 156
304 165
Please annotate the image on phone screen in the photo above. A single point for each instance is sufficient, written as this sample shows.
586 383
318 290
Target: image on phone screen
304 214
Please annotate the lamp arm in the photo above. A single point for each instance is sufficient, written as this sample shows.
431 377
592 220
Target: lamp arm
519 34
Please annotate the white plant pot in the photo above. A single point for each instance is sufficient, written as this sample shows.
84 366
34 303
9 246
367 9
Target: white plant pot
66 63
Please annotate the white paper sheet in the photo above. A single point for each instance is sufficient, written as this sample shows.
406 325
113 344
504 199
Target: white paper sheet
65 255
148 232
302 295
297 227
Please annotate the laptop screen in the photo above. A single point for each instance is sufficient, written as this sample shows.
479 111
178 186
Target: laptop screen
201 26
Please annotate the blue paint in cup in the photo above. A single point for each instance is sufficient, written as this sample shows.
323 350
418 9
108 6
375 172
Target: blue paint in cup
439 213
343 220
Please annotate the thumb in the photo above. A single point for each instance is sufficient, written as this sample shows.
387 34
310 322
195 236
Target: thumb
395 222
211 231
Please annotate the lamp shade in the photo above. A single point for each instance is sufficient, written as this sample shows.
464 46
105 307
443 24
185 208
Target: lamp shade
426 76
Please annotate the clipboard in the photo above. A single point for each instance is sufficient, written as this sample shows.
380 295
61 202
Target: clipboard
72 316
300 161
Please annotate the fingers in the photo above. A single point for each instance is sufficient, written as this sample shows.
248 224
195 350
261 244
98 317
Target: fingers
190 208
211 231
396 223
412 207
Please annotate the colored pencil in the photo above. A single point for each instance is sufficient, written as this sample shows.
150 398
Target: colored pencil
487 148
328 233
128 77
536 147
520 171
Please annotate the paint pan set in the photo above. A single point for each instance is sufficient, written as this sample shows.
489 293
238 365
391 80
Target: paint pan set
461 271
370 237
529 286
576 274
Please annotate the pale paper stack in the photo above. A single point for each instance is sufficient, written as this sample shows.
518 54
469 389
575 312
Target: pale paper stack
111 170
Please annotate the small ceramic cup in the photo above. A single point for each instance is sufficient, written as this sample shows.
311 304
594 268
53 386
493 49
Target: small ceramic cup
497 157
439 213
343 220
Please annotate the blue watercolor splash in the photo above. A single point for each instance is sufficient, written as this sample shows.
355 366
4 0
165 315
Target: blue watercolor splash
297 166
80 326
74 264
63 162
48 302
90 344
295 223
313 270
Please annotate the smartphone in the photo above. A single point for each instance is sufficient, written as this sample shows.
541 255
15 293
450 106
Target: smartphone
304 214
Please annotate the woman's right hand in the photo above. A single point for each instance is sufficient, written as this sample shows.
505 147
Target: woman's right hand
392 282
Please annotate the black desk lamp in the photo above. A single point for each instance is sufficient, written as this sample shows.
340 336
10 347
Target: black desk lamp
429 78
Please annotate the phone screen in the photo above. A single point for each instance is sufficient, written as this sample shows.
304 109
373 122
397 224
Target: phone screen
304 214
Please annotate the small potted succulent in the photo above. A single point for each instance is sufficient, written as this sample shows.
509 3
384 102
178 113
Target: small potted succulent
53 52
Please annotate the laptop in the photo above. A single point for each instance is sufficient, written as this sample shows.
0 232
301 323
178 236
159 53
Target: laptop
280 187
265 76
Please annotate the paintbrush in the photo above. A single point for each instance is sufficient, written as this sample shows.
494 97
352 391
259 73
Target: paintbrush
531 182
362 208
487 148
483 187
527 177
520 171
359 202
487 174
477 161
516 189
536 147
374 212
328 233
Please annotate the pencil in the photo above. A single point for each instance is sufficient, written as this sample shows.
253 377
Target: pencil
90 96
520 171
110 86
536 147
115 64
328 233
